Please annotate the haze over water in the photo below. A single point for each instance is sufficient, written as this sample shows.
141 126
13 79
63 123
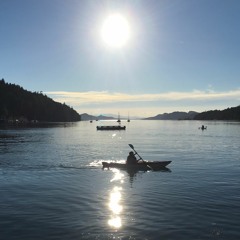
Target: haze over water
52 185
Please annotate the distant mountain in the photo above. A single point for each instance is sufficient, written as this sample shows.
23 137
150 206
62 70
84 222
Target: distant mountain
101 117
18 104
123 117
87 117
174 116
227 114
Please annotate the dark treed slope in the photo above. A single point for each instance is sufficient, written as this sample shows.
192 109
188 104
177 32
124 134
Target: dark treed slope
17 103
227 114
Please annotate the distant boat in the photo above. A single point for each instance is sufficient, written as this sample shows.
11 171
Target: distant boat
119 120
128 118
111 127
203 127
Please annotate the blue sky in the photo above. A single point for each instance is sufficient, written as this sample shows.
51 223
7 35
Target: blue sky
182 55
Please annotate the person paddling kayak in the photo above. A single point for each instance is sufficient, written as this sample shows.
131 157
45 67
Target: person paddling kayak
137 164
131 159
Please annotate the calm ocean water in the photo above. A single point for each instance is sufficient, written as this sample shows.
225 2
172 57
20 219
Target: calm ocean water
52 185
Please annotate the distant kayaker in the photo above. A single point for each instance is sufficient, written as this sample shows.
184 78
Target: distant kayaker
131 159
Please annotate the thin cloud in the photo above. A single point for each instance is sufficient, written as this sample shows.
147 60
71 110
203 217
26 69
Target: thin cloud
94 97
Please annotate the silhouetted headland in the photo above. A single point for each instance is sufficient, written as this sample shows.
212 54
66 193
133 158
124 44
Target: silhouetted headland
18 105
229 114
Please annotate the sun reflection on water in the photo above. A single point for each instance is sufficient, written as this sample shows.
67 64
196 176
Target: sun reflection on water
115 222
115 200
118 176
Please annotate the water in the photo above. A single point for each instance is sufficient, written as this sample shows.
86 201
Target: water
52 185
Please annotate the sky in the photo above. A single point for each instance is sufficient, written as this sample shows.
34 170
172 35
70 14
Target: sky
181 55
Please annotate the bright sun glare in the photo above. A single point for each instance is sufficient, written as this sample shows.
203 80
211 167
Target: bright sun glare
115 31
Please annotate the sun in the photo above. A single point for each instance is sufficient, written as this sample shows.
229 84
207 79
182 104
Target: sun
115 31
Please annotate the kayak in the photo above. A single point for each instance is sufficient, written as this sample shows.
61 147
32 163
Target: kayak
141 166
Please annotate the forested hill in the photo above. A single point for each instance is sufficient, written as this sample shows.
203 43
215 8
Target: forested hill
227 114
18 103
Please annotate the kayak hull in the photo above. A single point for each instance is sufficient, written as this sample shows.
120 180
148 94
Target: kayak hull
141 166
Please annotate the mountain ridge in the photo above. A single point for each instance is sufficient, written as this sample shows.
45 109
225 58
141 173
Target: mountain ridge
177 115
87 117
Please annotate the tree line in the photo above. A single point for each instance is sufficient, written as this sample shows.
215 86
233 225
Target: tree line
18 103
226 114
